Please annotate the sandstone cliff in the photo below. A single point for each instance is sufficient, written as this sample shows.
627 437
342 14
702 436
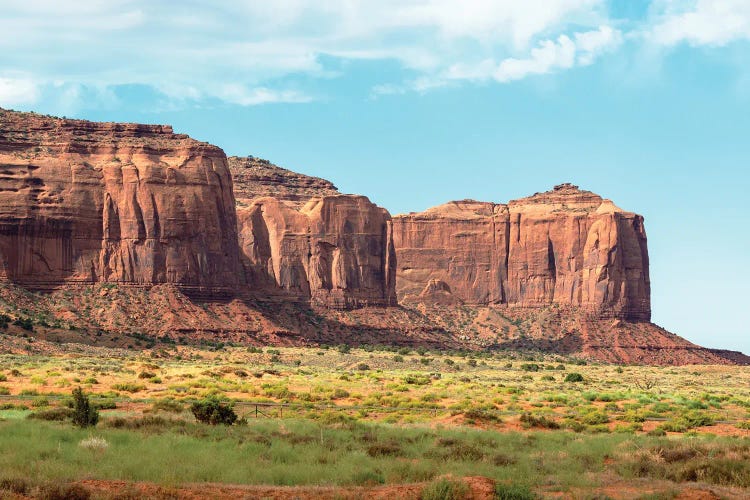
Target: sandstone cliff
565 246
118 221
300 238
84 202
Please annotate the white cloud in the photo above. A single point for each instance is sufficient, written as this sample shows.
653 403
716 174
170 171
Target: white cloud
239 94
708 22
15 92
548 56
250 52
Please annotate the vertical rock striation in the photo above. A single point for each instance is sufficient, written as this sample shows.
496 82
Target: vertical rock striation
84 202
300 238
565 246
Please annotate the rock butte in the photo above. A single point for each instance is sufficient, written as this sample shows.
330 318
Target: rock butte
274 256
565 246
300 238
84 202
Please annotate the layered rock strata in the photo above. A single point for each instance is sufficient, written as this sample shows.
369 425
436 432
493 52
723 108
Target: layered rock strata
85 202
565 246
300 238
257 178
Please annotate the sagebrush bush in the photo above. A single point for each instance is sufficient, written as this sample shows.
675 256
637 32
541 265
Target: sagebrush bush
529 420
53 414
94 444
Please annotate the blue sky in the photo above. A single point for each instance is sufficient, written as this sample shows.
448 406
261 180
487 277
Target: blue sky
415 103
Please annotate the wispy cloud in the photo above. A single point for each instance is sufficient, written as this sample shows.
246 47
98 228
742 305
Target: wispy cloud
18 91
244 52
252 52
705 22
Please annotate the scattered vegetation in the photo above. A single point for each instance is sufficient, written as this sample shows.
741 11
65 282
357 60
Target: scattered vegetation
370 416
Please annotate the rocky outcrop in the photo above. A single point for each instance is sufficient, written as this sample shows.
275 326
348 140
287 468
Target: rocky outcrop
565 246
119 221
302 239
257 178
85 202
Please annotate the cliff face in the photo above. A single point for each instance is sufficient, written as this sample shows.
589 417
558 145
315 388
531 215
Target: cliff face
83 204
106 202
565 246
300 238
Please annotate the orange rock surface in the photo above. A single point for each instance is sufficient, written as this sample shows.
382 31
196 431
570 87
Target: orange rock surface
106 202
565 246
258 178
336 251
126 225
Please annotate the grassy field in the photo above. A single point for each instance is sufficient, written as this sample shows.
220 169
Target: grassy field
536 425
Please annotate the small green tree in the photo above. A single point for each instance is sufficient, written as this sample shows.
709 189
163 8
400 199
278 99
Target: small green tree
84 414
212 411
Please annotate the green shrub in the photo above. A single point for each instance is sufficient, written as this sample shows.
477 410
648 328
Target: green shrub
339 393
445 489
417 379
529 420
387 449
574 377
481 414
52 415
513 492
128 387
39 402
530 367
595 418
25 323
105 404
167 405
688 420
84 414
212 411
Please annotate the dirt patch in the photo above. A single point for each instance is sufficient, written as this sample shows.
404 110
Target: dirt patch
480 488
